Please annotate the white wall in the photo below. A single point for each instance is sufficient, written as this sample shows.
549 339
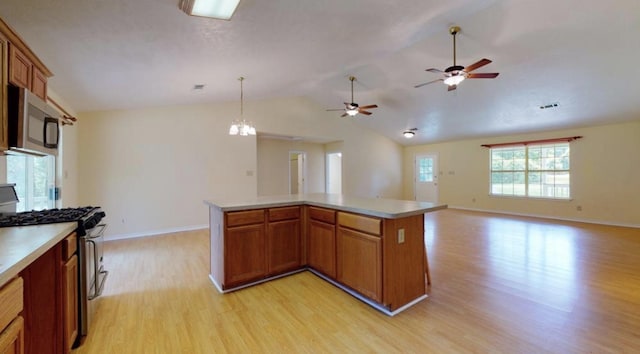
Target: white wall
605 170
150 169
273 166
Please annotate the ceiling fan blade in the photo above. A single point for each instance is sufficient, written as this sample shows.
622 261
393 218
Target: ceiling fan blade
369 106
437 71
480 63
343 115
452 87
364 112
482 75
427 83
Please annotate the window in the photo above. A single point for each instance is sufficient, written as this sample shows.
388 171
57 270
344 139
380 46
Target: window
425 169
536 171
34 178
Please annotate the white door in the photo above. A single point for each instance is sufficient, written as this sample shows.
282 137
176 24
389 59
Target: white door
334 173
297 170
426 178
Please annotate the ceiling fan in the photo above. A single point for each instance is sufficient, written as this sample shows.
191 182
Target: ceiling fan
352 109
455 74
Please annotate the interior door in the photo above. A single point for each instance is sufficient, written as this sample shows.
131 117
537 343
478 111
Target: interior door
426 178
334 173
297 170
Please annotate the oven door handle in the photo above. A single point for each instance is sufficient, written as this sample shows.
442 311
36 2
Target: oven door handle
97 234
98 284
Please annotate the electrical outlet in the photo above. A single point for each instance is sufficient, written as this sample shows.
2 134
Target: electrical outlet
401 236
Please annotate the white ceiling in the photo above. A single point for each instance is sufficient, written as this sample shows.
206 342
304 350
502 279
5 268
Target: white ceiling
120 54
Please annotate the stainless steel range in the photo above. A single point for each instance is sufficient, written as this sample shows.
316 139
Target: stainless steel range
90 231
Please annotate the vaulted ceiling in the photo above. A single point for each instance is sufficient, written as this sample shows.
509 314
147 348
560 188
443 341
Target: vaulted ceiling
581 54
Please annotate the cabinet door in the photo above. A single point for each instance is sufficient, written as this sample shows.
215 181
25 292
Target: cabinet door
39 84
19 68
322 247
4 70
70 302
244 256
12 338
359 262
283 246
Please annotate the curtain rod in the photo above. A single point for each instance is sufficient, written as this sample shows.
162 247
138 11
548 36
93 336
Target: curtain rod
532 142
66 116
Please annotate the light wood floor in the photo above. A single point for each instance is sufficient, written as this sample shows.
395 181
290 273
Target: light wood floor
501 284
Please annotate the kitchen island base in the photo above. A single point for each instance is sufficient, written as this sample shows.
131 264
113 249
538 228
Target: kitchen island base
373 249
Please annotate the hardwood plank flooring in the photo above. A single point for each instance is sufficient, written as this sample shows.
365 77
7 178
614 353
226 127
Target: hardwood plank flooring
500 284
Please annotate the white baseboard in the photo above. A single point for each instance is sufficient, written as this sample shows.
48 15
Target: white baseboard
155 232
588 221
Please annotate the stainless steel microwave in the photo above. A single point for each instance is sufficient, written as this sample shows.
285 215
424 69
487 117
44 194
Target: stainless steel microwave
33 124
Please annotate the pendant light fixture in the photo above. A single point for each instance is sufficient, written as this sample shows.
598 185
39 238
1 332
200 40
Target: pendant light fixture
240 126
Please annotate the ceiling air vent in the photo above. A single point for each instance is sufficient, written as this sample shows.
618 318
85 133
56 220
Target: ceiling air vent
550 105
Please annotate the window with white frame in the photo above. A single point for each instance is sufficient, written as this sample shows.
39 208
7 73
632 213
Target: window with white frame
425 169
535 171
34 178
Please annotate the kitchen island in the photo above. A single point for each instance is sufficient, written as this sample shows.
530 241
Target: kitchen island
371 248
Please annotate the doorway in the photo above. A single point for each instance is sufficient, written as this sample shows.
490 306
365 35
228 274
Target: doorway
334 173
297 172
426 178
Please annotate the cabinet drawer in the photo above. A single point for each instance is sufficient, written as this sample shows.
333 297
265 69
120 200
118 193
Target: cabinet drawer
285 213
324 215
249 217
11 300
69 246
361 223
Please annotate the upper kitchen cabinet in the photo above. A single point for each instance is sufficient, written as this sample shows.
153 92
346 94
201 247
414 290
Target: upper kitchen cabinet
24 68
20 68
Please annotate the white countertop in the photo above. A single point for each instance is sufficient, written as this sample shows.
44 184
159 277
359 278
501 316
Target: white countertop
21 245
384 208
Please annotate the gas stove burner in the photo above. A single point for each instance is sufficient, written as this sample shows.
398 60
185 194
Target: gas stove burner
86 217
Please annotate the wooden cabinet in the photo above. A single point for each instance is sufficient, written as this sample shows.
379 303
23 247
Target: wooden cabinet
42 303
12 338
381 259
39 83
69 291
11 324
23 73
283 240
51 299
321 254
20 68
260 243
4 73
359 262
244 254
70 302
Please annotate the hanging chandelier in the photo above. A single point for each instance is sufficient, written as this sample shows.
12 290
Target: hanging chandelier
240 126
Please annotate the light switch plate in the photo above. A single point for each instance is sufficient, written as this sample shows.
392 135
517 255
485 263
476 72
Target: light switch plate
401 236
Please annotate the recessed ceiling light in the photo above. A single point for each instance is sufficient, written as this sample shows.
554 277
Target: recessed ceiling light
220 9
198 87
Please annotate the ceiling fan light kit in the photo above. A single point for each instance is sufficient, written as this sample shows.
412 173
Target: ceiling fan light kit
352 109
455 74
